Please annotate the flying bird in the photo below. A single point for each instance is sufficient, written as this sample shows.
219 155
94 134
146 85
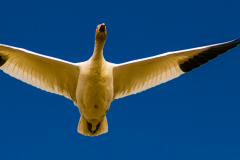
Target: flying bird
92 85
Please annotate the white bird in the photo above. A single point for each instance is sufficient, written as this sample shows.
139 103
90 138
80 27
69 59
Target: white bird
92 85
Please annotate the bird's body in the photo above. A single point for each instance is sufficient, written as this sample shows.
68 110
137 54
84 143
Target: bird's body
92 85
94 91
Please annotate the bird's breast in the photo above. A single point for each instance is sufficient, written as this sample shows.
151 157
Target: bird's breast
94 91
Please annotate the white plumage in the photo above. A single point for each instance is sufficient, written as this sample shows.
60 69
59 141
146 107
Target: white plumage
95 83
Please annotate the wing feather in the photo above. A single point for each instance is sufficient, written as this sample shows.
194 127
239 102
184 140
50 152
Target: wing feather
44 72
138 75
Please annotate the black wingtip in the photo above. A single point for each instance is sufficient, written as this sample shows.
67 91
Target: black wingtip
2 61
208 54
238 39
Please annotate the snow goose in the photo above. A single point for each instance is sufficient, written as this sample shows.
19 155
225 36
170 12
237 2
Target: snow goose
92 85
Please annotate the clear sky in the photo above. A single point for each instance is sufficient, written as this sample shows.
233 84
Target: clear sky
193 117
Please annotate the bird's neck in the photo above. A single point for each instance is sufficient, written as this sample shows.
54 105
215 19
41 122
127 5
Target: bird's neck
98 51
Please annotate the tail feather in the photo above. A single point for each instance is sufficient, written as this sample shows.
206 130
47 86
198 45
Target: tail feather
88 129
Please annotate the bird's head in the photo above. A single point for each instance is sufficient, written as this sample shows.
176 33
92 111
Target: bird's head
101 33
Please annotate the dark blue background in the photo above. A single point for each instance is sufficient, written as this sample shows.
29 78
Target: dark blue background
195 116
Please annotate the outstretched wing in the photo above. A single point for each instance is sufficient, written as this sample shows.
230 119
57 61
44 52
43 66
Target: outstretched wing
47 73
138 75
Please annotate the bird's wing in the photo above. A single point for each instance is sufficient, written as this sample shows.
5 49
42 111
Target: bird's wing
138 75
47 73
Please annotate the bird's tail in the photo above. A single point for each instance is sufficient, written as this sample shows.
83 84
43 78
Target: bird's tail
92 129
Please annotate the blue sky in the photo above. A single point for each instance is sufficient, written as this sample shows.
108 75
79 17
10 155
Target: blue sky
195 116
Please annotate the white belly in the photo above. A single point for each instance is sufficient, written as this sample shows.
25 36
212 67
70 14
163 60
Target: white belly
94 92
